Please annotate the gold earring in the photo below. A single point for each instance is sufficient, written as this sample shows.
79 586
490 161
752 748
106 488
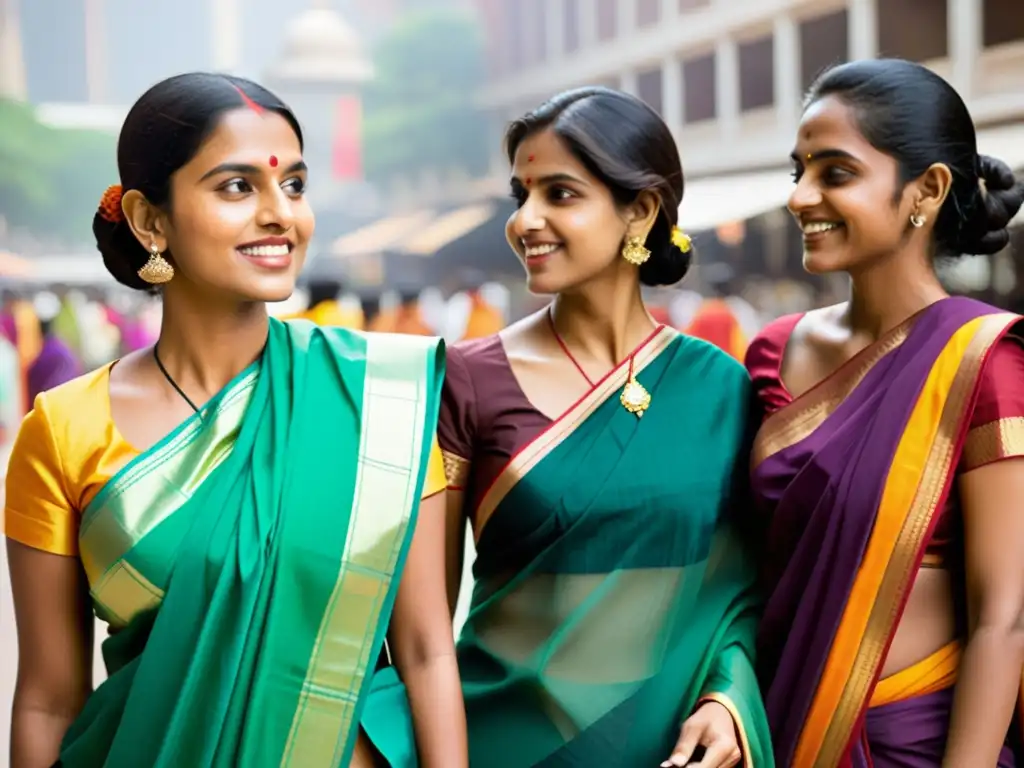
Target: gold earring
634 251
157 270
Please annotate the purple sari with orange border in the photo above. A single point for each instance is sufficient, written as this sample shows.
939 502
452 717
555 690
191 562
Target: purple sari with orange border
855 475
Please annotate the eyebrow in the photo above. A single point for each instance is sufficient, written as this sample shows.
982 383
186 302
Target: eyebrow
245 168
825 154
553 178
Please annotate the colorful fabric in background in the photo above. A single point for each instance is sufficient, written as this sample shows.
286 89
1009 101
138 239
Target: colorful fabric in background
54 365
484 320
332 312
856 477
12 396
715 323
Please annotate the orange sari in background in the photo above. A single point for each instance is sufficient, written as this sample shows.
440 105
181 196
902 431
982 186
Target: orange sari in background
716 323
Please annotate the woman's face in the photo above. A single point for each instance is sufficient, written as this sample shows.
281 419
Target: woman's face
240 223
568 228
848 199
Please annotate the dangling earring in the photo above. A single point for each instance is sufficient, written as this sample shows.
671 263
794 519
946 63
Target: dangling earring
634 252
157 270
917 220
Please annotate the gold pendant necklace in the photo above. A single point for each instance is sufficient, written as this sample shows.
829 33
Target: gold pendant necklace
634 397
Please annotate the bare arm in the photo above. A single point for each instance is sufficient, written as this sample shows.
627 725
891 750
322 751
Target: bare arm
55 642
455 546
990 673
423 647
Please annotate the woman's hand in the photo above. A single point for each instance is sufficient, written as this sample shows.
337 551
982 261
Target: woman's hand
711 727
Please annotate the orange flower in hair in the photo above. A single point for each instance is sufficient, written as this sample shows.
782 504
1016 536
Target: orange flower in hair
110 204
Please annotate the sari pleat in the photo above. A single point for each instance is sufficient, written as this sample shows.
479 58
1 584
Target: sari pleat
277 573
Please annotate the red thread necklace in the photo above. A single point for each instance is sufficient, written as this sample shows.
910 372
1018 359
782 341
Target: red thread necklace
634 397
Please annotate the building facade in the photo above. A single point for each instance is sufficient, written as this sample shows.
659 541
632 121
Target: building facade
728 75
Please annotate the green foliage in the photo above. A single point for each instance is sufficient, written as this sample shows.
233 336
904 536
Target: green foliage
51 179
419 110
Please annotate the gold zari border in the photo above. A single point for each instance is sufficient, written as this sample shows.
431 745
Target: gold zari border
899 570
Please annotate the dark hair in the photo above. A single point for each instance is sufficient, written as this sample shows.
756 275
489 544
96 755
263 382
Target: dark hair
624 143
162 132
911 114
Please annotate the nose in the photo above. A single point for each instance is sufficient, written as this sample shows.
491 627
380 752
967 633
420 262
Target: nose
275 211
529 217
806 194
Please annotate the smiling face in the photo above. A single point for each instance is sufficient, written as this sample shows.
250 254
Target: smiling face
239 222
848 200
567 229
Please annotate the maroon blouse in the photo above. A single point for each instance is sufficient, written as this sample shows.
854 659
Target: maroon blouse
997 424
485 417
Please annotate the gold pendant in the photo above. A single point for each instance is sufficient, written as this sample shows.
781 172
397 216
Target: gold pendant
635 398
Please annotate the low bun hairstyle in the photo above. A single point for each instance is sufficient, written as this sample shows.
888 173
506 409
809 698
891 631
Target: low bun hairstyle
625 144
911 114
163 131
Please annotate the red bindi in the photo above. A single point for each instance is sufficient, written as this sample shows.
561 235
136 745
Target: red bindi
529 181
530 159
273 161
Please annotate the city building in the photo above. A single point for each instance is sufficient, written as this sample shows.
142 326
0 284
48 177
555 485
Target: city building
728 75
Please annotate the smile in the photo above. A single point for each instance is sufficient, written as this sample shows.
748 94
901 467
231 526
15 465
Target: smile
265 250
819 227
535 251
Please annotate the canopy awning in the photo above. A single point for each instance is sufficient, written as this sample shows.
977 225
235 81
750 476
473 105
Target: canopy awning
448 228
710 202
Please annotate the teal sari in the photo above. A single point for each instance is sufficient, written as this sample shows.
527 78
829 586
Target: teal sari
612 592
250 562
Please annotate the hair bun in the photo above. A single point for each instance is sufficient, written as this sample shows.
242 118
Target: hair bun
123 255
1000 196
668 263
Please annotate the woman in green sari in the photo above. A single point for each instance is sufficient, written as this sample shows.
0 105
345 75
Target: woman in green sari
594 453
239 503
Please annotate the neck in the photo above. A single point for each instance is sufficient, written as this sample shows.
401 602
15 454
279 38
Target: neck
605 320
204 345
885 294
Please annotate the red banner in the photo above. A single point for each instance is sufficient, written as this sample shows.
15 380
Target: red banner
348 146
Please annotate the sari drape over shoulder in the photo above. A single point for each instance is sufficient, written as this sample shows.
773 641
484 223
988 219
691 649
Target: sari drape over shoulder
250 561
855 475
612 593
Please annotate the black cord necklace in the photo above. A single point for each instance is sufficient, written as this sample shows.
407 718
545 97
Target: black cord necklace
171 381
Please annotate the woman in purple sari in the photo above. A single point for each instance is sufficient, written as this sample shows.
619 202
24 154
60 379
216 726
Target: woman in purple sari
891 461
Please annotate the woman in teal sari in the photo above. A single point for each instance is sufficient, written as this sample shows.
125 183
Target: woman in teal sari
238 503
594 454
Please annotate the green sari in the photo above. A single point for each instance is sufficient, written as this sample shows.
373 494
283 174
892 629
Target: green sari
612 592
250 561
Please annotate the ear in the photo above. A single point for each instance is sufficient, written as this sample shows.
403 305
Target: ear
148 223
932 189
642 213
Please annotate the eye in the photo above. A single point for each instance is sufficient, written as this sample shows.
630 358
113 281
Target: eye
834 175
797 173
518 193
560 194
294 186
236 187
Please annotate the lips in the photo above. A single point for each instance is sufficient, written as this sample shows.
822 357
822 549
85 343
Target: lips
535 255
269 253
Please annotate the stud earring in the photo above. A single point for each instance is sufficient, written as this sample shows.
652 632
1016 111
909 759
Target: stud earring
634 251
157 270
916 219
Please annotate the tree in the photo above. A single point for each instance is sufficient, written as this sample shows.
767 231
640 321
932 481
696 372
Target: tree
51 179
419 110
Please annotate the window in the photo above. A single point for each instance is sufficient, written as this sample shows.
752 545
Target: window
699 89
757 73
648 88
823 42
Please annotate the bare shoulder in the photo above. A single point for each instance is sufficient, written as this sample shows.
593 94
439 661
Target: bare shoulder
526 338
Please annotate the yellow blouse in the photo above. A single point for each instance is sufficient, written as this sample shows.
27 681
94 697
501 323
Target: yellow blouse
67 449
